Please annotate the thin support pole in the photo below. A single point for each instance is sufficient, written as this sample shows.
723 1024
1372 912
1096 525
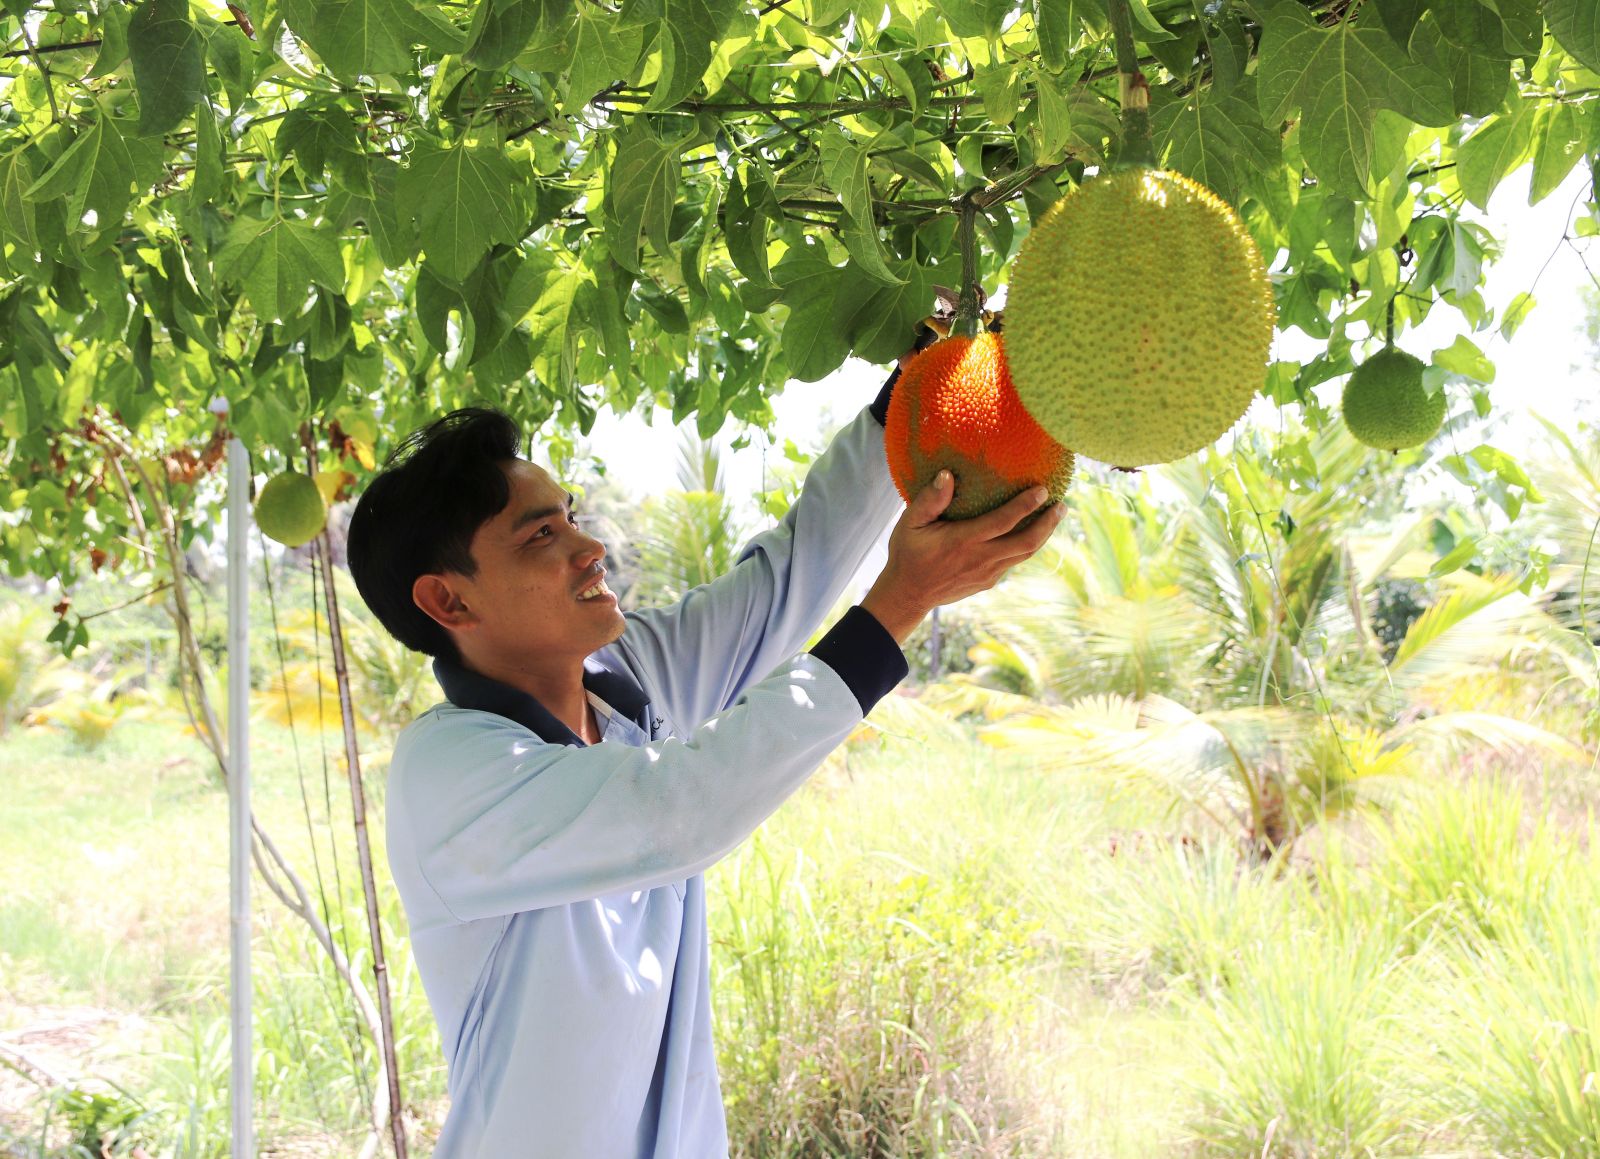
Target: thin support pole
242 1075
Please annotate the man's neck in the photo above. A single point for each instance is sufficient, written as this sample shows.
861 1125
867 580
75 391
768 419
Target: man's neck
559 689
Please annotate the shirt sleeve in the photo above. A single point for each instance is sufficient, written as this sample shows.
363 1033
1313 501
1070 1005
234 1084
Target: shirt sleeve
696 656
487 820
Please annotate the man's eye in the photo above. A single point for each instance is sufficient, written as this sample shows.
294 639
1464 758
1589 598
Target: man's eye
573 519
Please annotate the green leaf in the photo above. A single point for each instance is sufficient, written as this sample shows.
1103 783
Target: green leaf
846 164
502 28
394 235
1478 82
1000 88
16 211
1516 312
325 138
551 320
1498 29
1457 558
232 56
604 51
464 199
114 21
169 64
975 18
277 260
1560 136
881 321
1464 358
746 211
641 190
96 173
1576 26
356 38
1057 30
683 32
1498 148
813 344
912 83
1229 48
1215 139
208 175
1339 79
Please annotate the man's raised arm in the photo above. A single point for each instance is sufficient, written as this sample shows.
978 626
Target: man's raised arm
696 656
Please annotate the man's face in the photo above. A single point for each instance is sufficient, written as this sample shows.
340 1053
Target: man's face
537 594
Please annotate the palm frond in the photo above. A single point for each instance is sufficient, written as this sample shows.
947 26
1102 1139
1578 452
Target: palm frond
1474 626
1453 734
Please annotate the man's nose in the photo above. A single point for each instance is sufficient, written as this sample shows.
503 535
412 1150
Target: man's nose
590 550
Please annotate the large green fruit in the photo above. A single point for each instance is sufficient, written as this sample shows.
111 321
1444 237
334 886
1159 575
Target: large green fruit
1385 404
1139 318
290 509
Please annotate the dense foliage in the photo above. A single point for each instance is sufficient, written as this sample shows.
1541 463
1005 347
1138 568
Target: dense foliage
348 215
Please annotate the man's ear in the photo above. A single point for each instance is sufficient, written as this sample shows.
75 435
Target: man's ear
439 600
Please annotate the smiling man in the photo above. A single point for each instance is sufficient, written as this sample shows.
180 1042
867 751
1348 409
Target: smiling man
549 824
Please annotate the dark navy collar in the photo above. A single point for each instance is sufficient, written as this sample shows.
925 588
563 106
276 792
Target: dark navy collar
468 689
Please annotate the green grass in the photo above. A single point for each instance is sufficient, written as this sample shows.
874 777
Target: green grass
933 949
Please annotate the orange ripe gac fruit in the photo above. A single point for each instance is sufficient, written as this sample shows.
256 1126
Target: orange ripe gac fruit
954 406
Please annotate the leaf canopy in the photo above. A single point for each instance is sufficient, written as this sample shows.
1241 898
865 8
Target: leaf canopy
352 215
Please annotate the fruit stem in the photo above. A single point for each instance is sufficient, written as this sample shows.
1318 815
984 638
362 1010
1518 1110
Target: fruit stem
1388 328
1137 151
968 320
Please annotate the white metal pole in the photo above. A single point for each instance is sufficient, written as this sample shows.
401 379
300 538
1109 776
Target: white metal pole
242 1084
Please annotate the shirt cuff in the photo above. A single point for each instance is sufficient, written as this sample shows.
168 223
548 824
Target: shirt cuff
864 655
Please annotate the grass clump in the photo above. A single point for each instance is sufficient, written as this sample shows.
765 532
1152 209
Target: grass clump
859 1009
1465 861
1296 1065
1523 1063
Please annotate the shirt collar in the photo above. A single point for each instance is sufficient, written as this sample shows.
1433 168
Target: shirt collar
468 689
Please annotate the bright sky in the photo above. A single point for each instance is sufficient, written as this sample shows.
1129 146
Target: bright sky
1537 371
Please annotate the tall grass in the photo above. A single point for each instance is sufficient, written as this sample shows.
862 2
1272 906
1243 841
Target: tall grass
1466 861
1294 1047
1523 1066
860 1005
934 949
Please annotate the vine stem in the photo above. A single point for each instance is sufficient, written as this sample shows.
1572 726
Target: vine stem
1137 150
968 321
44 71
202 717
358 808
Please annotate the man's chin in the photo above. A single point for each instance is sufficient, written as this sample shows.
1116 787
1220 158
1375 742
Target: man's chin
618 627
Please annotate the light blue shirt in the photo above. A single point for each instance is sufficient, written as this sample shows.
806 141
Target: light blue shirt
555 893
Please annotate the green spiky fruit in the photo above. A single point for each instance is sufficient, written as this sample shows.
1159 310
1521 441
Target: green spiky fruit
1139 318
1385 404
290 509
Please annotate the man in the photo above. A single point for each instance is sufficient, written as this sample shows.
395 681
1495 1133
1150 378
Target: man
548 826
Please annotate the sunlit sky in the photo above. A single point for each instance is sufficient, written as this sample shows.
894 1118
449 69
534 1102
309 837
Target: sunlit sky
1541 370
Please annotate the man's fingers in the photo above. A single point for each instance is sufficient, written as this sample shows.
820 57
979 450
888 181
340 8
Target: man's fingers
929 503
1032 537
1003 519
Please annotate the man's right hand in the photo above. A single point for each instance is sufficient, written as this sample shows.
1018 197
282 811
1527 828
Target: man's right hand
935 561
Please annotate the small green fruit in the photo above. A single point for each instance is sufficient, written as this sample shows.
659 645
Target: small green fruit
1386 405
290 509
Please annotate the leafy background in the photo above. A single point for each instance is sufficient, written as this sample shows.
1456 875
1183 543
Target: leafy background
347 217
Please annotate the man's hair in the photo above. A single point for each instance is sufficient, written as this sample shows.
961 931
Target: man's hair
419 514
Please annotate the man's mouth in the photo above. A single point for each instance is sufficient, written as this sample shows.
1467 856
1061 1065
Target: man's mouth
598 588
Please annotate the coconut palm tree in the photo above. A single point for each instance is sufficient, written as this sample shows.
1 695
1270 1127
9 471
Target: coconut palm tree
689 536
1218 646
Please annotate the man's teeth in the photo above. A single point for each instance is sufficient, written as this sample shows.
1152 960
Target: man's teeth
599 589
